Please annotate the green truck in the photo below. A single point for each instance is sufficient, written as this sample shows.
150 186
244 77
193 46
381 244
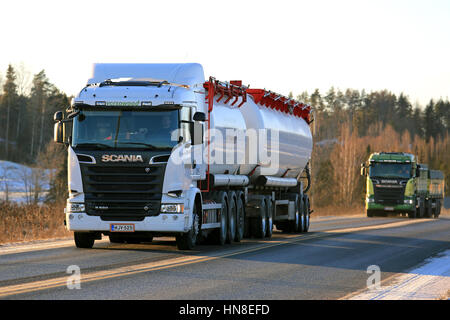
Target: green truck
397 183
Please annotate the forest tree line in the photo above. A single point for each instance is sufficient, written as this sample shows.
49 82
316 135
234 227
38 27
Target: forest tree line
348 126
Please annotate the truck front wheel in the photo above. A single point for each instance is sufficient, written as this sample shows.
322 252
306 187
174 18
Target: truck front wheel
84 240
220 234
188 240
412 214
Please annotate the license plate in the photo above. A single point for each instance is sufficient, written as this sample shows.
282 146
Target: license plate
121 227
388 208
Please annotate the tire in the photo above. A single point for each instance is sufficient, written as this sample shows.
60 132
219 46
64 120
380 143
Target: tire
188 240
295 224
232 212
84 240
220 235
307 215
240 219
116 239
437 211
269 218
412 214
302 212
258 223
421 208
369 213
429 211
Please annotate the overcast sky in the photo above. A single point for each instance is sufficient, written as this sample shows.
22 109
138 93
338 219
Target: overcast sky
399 45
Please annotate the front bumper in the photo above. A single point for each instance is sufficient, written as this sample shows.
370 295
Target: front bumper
390 208
80 221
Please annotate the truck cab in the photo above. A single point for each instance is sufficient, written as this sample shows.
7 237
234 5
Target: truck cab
127 138
390 183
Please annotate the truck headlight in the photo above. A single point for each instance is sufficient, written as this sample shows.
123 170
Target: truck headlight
75 207
408 201
172 208
370 200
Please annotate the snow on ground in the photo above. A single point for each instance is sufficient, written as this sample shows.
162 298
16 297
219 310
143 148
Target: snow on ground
428 281
18 182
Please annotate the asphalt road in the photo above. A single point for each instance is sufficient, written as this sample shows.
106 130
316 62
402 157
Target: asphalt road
329 262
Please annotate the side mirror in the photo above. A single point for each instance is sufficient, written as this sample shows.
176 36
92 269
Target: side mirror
418 171
199 116
58 116
363 169
58 132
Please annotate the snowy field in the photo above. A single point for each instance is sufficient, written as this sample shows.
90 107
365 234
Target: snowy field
19 183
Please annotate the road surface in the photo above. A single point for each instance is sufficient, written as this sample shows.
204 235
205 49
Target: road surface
329 262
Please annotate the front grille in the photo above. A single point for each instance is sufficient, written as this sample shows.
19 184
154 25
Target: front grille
123 192
389 195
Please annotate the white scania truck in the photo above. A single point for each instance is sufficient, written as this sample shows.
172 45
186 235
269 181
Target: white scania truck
157 150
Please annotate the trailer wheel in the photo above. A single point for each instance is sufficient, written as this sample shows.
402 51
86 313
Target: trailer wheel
295 225
269 218
421 208
258 223
240 219
429 211
437 211
83 240
188 240
301 213
232 213
306 210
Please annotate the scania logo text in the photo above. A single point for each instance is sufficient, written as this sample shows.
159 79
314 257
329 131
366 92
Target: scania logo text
121 158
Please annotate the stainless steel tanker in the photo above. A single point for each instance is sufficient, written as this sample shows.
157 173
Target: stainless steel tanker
288 138
201 160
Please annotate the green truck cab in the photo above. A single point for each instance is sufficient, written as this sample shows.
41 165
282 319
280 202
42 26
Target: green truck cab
390 183
396 183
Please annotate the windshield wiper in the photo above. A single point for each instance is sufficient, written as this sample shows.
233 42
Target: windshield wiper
94 145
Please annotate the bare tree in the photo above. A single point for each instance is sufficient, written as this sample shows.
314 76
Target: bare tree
24 79
4 178
37 180
25 175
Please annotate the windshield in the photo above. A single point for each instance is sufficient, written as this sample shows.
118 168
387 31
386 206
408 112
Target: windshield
126 129
390 170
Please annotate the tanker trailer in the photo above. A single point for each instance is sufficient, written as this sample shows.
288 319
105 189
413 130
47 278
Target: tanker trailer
155 150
